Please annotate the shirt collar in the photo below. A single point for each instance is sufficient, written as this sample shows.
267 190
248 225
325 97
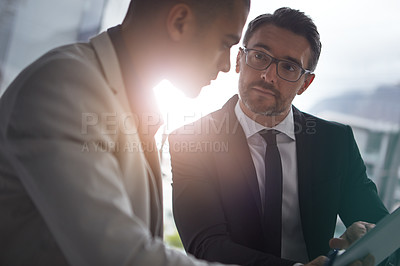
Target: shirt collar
250 127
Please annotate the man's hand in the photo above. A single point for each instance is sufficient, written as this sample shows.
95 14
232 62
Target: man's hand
353 233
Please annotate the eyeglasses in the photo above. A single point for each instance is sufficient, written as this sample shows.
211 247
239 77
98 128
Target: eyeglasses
286 70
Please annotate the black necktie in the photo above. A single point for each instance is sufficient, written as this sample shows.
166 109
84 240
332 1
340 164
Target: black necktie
272 219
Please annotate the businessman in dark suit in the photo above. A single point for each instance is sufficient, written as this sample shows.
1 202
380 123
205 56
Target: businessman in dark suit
259 182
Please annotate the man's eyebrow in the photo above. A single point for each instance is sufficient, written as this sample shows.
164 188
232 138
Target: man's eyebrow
263 46
289 58
293 60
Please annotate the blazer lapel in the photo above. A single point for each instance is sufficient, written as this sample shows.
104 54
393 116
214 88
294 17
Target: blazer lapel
238 159
110 65
303 131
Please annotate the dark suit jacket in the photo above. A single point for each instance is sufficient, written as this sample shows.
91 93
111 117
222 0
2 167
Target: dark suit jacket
216 200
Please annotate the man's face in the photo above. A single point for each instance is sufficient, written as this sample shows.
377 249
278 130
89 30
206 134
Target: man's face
263 91
209 52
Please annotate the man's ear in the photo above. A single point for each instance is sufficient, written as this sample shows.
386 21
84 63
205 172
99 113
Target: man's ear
238 60
179 21
307 82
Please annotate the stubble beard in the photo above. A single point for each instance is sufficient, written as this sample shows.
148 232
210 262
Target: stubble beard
256 105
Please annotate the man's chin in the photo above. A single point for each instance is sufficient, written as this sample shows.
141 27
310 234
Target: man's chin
262 110
190 90
268 112
192 94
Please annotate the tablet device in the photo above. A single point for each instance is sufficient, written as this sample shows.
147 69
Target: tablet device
381 242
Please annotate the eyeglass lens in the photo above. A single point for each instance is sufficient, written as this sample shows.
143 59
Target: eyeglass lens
285 69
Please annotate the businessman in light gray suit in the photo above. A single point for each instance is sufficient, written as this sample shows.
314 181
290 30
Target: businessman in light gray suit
80 181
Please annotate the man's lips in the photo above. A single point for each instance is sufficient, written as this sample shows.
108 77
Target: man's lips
264 91
213 78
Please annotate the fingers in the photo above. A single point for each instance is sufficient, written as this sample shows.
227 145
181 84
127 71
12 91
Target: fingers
355 231
338 243
368 226
352 234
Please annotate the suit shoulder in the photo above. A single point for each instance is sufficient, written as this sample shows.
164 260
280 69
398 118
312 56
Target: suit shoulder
75 57
65 69
62 83
193 129
324 125
215 125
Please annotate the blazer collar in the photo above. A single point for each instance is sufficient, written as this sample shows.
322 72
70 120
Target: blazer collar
240 153
141 98
304 130
239 156
108 60
242 166
251 127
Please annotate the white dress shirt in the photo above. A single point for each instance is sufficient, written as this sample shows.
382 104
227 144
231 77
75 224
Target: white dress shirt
293 245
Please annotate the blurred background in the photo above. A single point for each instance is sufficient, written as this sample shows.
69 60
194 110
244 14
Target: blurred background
357 80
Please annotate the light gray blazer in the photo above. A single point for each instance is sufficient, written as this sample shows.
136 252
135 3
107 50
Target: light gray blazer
74 182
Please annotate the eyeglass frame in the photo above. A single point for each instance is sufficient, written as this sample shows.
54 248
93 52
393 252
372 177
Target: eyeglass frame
276 61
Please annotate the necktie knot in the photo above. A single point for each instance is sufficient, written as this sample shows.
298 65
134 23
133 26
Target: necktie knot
269 136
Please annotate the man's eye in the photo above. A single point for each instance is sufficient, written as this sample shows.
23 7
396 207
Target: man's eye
288 67
227 46
259 56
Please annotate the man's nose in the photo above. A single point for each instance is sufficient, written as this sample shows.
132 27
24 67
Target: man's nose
270 73
225 64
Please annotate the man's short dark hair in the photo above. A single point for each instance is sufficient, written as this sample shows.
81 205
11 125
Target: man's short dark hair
205 10
294 21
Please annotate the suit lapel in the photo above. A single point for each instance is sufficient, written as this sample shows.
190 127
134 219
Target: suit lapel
110 65
239 160
241 166
303 131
